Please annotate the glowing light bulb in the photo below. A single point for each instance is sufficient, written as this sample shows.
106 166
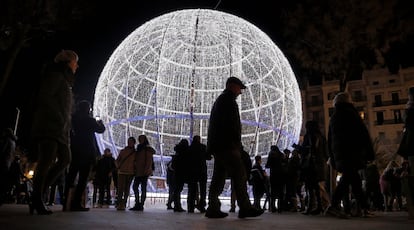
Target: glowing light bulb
164 77
30 174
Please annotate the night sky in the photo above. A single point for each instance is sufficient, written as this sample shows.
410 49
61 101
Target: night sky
108 29
97 36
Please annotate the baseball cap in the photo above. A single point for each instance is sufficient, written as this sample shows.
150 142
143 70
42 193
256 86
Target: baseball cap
235 80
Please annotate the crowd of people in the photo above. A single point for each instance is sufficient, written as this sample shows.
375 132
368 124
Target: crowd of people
188 166
297 179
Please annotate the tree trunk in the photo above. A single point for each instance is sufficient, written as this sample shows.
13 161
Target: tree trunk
14 51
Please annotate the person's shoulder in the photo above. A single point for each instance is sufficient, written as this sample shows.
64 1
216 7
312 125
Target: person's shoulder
127 149
272 153
150 149
51 67
198 146
226 95
88 118
121 152
52 70
101 160
124 149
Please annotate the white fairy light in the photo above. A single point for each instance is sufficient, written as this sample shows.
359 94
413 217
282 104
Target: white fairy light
164 77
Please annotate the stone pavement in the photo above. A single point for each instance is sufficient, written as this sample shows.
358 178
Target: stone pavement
155 216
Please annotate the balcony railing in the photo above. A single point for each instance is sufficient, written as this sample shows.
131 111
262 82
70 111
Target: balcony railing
390 122
388 103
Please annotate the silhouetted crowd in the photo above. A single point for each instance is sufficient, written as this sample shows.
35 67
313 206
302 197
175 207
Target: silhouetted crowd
334 175
288 181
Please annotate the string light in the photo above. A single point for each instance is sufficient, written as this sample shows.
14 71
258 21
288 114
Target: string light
164 77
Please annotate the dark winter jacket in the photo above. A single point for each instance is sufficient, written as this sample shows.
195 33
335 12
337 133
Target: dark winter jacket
53 108
180 163
197 161
83 141
294 168
247 161
278 165
258 178
170 172
409 126
104 169
313 160
224 131
349 142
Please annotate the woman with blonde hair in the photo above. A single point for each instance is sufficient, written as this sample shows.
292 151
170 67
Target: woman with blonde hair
51 125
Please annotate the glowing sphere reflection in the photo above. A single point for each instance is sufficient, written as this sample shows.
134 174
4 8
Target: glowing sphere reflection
164 77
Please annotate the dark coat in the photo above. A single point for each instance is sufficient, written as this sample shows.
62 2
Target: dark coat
104 169
180 163
247 161
170 172
197 161
53 107
224 131
258 178
314 157
278 165
349 142
294 168
409 126
83 141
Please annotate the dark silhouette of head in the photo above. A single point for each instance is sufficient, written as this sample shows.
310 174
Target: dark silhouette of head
196 139
84 107
312 126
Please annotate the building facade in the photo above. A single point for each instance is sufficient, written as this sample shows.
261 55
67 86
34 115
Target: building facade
380 98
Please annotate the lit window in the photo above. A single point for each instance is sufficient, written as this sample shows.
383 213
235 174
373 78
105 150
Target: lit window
362 115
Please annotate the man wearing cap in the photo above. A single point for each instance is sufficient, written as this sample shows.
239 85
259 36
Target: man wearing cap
224 141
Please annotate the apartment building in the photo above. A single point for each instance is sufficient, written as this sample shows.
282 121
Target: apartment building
380 98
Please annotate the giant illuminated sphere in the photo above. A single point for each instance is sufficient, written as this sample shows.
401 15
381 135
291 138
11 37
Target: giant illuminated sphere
163 79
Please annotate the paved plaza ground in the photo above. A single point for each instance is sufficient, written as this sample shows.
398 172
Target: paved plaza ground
155 216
